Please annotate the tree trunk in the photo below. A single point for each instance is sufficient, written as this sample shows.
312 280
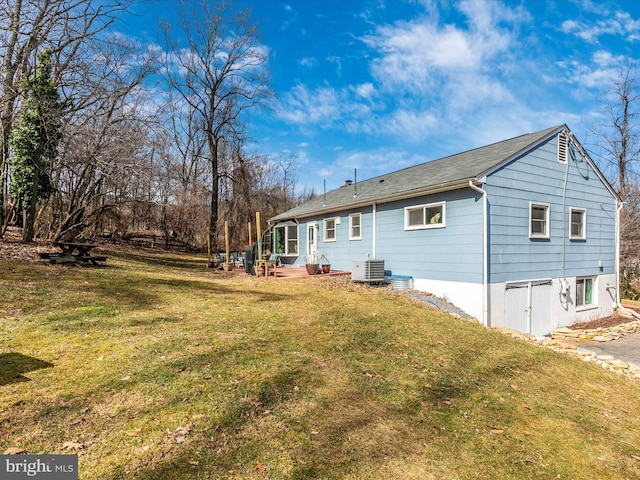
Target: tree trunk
215 185
28 230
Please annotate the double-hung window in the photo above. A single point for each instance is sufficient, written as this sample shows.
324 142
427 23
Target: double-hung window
585 292
355 226
578 219
431 215
329 229
538 220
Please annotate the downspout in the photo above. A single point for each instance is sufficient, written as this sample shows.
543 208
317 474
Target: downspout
618 210
485 255
564 218
374 213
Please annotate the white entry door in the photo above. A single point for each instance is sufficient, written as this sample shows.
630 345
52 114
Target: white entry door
527 307
312 242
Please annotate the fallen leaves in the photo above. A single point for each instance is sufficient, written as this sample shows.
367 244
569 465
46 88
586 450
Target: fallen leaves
181 433
71 446
13 451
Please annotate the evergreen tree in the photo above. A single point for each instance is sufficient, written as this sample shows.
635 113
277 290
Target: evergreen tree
34 141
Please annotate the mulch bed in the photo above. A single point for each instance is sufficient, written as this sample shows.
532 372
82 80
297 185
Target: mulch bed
610 321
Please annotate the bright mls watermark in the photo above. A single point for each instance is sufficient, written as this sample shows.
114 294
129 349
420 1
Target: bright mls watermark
49 467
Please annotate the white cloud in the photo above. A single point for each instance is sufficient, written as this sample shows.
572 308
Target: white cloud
365 90
307 62
304 106
616 23
327 107
368 163
421 56
598 74
411 126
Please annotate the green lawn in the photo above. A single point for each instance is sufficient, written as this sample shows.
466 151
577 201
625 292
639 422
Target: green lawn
156 368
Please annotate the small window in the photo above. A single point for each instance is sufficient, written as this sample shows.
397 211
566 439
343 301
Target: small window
355 231
578 219
330 230
563 148
424 216
539 220
584 292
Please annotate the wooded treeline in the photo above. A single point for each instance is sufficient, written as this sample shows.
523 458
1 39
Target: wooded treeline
153 137
101 135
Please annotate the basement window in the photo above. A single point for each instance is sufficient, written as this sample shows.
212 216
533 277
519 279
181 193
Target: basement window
431 215
584 292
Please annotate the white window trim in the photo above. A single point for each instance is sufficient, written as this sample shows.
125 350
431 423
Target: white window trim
425 226
538 236
594 294
563 148
335 229
584 223
286 227
351 217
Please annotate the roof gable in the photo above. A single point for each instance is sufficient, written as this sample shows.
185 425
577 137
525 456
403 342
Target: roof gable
444 174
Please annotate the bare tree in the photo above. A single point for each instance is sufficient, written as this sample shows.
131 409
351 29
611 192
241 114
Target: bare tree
220 71
618 150
28 26
104 155
621 140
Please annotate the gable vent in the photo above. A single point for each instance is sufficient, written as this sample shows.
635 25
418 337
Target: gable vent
562 148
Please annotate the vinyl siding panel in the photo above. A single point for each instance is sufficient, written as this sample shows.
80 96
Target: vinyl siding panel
340 252
539 177
452 253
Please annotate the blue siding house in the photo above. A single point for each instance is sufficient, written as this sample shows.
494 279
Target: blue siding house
522 233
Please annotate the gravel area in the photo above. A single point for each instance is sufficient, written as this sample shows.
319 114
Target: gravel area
438 303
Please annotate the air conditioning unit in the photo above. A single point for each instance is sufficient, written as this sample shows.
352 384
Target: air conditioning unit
367 270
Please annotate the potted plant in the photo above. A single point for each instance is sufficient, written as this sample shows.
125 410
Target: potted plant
312 264
324 263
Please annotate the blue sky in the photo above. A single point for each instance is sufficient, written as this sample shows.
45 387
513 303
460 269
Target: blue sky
384 84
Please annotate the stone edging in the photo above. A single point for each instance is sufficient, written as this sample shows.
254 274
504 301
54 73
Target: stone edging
564 341
603 334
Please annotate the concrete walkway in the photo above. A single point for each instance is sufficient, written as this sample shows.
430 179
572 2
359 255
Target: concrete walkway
626 348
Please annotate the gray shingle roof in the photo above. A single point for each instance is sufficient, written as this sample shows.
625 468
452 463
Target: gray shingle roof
437 175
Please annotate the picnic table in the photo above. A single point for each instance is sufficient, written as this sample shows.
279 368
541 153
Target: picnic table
74 252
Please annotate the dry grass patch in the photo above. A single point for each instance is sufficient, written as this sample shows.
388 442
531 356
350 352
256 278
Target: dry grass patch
155 367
